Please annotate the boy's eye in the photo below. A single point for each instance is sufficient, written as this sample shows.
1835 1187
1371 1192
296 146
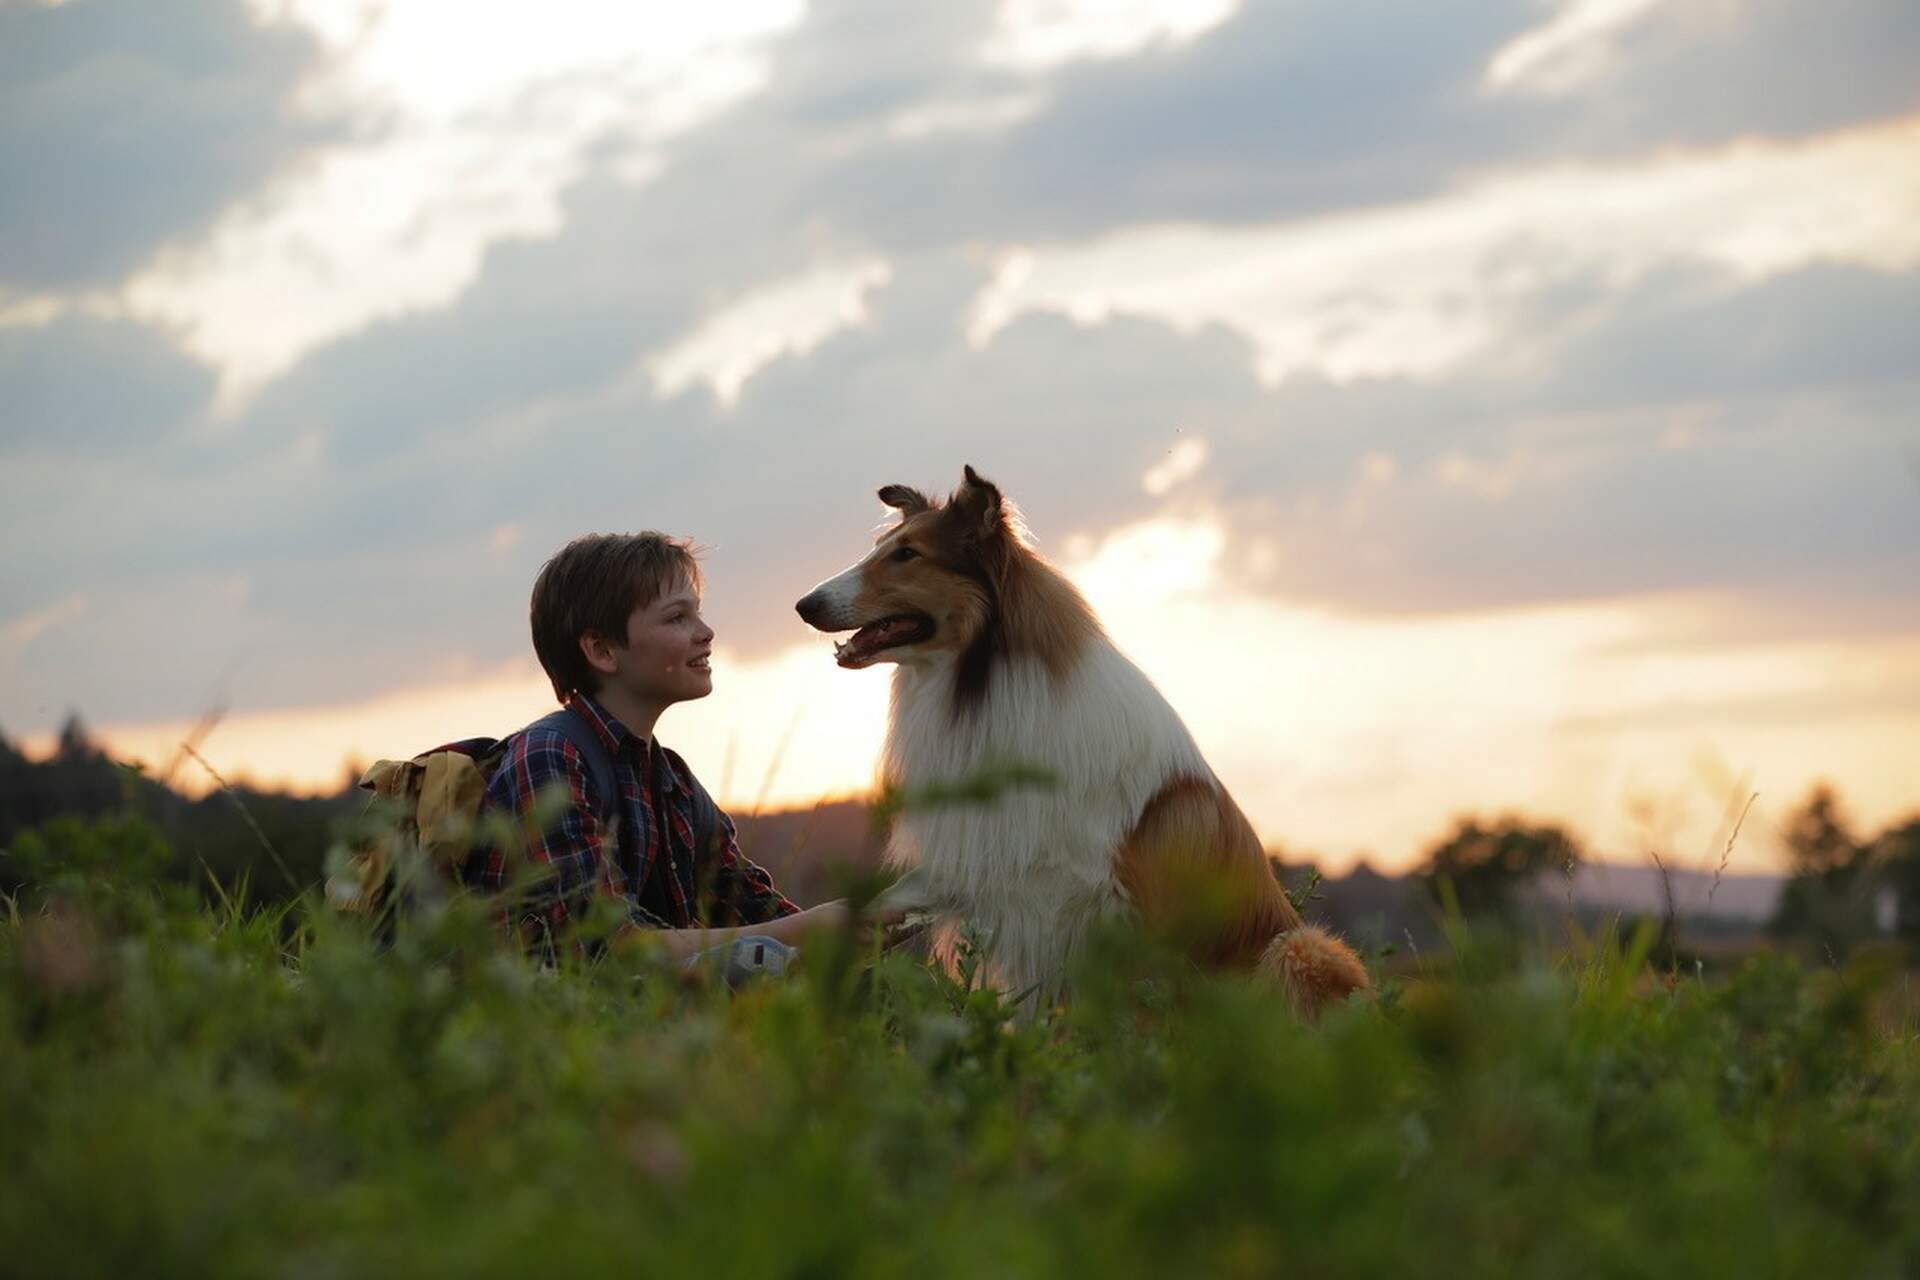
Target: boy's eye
903 554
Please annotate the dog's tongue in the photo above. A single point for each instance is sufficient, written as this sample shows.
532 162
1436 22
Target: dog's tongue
872 638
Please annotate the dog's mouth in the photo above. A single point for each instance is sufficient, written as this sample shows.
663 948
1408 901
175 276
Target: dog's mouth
866 645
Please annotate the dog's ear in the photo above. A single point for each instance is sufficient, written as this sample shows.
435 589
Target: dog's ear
904 500
979 503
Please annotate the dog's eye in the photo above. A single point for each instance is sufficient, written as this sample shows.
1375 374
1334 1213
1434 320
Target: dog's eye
903 554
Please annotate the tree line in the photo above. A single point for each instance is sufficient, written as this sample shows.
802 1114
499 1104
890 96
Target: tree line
1844 887
277 846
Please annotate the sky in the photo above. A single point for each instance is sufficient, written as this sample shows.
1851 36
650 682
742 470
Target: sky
1498 406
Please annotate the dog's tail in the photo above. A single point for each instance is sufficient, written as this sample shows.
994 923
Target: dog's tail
1314 969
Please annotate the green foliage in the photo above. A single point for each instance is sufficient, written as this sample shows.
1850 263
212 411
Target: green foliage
229 1090
1306 892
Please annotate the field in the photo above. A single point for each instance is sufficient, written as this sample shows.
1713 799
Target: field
204 1090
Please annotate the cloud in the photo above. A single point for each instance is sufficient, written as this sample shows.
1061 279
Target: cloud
880 129
565 318
1612 507
126 125
1702 471
472 151
1278 110
1285 109
1691 336
307 629
16 634
894 128
866 130
1422 287
788 317
1182 462
1570 50
1693 432
1042 34
371 560
1489 381
82 385
1688 73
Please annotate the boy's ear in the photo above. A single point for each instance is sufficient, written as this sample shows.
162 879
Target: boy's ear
978 501
598 651
907 501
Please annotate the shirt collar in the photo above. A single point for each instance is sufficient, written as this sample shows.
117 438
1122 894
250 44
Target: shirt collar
615 734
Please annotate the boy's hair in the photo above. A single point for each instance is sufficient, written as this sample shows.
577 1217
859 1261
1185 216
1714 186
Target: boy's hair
594 584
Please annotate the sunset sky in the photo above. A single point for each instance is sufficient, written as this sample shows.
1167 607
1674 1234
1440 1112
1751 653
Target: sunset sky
1463 407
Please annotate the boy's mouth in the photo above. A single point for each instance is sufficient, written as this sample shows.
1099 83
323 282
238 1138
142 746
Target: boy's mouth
866 645
702 663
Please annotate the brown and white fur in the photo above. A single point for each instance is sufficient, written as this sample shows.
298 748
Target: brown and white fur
1000 659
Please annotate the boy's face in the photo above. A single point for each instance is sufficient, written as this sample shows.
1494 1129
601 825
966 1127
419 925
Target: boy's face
665 659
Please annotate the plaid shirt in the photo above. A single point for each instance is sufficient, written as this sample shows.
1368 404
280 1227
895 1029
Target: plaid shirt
647 863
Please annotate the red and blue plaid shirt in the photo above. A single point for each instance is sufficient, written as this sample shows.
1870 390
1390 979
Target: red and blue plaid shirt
647 863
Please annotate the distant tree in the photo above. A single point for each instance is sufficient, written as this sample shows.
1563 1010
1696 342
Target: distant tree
75 743
1818 837
1491 866
1896 855
79 779
1829 902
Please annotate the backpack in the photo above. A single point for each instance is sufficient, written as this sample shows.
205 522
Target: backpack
437 796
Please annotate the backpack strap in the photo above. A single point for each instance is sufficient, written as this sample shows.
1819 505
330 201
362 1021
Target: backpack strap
593 752
706 819
706 814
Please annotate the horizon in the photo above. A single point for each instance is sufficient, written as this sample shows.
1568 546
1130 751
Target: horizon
180 779
1500 410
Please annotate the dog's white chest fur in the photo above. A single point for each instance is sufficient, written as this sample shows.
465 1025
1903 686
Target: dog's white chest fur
1033 869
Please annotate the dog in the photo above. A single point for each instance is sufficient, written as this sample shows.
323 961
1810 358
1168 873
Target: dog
1000 660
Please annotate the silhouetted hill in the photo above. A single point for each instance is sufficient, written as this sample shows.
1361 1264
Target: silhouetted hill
208 834
1372 909
1738 896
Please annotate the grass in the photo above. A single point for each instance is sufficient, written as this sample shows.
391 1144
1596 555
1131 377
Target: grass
231 1090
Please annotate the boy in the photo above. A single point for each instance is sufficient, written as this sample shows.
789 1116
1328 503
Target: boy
617 627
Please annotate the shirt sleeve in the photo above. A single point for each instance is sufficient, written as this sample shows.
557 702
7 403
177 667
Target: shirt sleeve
574 847
743 892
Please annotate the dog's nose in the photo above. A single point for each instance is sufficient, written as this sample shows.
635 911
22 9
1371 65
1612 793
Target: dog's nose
809 608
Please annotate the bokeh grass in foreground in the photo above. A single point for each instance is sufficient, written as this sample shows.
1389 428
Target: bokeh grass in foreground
196 1092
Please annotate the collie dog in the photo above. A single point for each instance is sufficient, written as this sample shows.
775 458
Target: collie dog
1000 660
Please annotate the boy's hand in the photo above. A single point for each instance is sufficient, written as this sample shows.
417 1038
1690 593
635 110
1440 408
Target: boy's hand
828 915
